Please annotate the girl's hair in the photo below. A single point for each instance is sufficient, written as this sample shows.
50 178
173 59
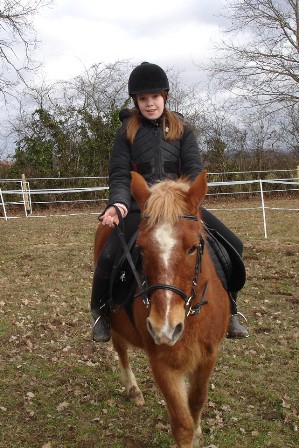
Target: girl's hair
172 124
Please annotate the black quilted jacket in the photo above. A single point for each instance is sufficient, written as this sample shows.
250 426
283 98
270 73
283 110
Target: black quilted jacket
151 156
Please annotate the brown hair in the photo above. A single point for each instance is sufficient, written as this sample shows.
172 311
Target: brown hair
172 124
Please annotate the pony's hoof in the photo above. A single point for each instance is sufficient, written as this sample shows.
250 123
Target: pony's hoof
136 397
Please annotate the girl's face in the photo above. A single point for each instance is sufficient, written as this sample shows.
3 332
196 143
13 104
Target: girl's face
151 105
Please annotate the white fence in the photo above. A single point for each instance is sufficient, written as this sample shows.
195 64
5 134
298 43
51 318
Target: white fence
20 188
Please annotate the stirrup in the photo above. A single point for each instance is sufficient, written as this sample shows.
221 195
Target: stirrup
235 329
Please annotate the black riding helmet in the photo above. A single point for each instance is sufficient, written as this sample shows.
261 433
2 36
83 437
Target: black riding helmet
147 78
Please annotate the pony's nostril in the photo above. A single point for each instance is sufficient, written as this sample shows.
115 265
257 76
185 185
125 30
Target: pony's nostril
166 334
178 331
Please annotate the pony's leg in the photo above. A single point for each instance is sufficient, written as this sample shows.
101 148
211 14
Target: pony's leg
127 377
173 387
198 395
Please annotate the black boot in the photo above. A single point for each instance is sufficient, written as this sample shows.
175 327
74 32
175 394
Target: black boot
235 329
101 328
100 308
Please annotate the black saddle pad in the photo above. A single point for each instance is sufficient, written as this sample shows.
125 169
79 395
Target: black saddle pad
228 262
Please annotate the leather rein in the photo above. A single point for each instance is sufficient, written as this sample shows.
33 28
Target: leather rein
145 290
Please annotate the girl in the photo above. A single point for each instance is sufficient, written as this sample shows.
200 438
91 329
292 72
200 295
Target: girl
158 144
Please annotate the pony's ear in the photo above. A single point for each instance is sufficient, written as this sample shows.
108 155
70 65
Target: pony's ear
139 189
197 191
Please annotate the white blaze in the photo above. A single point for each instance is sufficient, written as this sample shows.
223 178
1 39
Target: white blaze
166 242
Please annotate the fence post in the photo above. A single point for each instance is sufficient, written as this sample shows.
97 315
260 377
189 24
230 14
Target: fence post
263 208
3 205
26 197
297 171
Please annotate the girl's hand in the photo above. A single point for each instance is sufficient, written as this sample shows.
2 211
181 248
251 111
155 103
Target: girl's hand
110 217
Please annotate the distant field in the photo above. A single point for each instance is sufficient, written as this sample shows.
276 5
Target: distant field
60 390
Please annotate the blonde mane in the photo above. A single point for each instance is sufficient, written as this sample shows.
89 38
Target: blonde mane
167 201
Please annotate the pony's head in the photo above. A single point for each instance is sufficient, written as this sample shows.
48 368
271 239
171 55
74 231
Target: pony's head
169 240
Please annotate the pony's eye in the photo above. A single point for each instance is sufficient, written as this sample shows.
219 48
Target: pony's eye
192 249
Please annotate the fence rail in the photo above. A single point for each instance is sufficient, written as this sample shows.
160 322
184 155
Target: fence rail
16 193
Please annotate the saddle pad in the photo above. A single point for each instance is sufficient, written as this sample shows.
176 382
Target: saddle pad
229 259
221 261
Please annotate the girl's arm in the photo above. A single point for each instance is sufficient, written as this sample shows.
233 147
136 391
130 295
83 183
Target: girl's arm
191 164
119 171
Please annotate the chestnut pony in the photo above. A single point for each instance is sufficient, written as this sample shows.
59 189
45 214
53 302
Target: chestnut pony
186 315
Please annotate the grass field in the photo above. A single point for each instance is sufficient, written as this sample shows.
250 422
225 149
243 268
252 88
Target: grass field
59 389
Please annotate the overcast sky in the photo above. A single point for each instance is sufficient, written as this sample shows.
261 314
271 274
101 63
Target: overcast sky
74 34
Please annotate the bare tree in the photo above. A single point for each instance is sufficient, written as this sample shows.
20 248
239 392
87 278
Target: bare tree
102 87
183 98
260 58
17 40
289 131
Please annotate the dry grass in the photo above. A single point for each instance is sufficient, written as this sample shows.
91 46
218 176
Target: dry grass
58 389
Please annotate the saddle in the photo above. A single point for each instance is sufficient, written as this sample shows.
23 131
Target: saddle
227 261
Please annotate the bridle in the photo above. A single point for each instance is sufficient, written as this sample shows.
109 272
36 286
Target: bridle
145 289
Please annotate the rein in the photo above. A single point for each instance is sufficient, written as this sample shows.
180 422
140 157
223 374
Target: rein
120 232
146 290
